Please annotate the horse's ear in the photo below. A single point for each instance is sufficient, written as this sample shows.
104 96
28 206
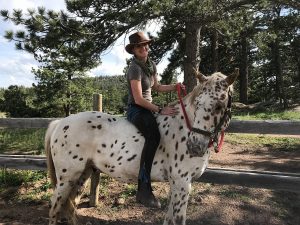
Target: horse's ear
201 77
232 77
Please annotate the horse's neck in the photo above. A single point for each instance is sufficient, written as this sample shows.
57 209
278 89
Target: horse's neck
189 108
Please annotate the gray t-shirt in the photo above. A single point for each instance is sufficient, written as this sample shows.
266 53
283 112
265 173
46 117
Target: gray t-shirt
135 72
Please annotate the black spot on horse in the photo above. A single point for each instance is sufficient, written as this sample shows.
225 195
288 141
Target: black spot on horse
66 128
131 158
181 157
207 117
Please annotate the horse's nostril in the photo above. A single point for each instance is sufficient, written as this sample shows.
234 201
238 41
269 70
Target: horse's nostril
196 148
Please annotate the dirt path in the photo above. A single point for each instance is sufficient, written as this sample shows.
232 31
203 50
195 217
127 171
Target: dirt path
209 204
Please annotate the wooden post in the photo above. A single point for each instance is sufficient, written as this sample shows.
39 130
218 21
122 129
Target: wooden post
95 177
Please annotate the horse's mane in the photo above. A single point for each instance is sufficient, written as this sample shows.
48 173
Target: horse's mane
198 88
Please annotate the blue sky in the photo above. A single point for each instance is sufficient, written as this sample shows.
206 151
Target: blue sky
15 65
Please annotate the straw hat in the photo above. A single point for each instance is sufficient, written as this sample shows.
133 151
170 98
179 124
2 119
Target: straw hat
136 38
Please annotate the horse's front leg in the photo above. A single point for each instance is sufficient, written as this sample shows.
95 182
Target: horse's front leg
179 195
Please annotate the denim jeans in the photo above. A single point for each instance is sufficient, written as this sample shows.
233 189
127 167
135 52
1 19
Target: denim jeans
145 122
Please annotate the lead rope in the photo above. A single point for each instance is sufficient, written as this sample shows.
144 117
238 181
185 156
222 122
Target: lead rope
212 142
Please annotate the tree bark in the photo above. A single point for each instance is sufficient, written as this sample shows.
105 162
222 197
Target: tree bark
215 51
192 54
244 69
278 72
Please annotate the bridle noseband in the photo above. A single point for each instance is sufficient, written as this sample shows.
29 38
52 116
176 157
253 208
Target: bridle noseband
213 135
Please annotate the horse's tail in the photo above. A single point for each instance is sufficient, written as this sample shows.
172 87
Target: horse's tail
50 164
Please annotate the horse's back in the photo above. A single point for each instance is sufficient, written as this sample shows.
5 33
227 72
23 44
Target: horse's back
110 143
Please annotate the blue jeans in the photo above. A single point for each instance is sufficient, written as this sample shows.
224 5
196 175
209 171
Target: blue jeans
145 122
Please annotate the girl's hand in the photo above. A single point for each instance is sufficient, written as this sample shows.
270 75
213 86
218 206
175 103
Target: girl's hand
169 110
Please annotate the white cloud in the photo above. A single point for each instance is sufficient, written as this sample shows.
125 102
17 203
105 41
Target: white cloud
15 66
25 4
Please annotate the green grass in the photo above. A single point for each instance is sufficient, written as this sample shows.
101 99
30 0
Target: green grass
22 141
267 115
277 143
12 177
130 190
235 194
35 183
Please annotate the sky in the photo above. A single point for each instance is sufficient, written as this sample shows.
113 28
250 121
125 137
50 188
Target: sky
16 65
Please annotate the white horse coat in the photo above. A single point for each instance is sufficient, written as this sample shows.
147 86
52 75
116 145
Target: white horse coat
80 142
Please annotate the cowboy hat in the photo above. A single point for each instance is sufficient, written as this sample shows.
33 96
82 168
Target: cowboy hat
136 38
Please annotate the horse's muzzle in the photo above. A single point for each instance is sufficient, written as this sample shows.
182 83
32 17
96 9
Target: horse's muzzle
197 147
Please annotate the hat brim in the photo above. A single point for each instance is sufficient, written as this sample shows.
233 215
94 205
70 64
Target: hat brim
129 47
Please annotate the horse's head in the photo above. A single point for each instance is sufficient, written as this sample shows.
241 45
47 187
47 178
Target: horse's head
211 99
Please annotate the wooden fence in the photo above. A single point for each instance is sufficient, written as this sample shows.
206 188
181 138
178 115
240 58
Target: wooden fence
249 178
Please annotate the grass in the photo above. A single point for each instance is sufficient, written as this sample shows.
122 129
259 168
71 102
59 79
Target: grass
24 185
277 143
22 141
266 115
235 194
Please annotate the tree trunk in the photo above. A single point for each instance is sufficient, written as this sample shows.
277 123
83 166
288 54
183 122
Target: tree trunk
67 106
244 69
215 51
192 54
278 72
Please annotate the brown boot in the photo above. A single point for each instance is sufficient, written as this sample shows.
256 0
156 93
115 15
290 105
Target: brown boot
145 196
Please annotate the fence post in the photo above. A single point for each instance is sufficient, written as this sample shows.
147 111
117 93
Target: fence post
95 177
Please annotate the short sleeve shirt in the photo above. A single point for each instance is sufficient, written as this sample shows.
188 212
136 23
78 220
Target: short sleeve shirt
135 72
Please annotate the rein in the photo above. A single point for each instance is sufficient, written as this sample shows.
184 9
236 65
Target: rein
212 135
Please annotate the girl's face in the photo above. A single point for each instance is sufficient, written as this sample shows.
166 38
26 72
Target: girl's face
141 50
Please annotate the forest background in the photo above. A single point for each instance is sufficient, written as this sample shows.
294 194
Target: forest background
260 37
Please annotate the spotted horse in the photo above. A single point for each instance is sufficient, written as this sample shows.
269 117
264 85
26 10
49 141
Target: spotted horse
85 141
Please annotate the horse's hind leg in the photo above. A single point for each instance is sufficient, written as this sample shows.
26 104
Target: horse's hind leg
80 186
75 195
58 199
63 197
